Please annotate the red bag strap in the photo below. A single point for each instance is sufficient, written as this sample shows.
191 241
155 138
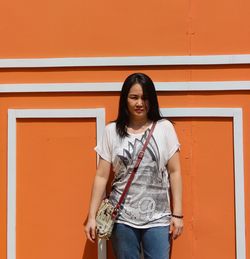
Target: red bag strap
139 159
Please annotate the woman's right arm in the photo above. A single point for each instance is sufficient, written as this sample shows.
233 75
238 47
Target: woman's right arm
98 190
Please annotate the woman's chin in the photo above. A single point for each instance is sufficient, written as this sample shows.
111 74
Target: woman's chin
140 115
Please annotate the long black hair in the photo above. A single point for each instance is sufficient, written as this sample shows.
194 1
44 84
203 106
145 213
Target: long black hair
150 95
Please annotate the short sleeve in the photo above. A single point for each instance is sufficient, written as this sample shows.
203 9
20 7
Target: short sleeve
172 141
103 147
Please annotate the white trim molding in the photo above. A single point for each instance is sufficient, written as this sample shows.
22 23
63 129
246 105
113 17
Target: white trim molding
99 114
13 115
116 87
125 61
239 193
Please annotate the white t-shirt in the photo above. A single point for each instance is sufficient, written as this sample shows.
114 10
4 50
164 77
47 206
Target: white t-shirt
147 202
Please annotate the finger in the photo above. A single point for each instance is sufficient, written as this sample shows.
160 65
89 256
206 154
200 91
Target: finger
88 234
177 232
89 237
171 228
92 230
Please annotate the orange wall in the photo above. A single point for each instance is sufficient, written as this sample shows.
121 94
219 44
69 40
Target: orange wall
55 157
55 169
129 28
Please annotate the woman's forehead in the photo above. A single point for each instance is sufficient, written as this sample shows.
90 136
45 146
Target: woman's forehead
136 89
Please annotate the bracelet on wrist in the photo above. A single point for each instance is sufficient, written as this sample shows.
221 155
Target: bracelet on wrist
177 216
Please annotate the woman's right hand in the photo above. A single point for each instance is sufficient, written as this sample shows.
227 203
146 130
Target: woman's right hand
90 229
98 190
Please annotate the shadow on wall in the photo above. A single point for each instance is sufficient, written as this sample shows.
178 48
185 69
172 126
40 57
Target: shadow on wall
90 251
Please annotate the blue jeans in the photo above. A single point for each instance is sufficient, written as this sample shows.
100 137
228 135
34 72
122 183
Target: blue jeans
128 241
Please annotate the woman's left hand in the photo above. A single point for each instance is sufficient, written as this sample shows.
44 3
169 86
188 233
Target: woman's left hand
176 227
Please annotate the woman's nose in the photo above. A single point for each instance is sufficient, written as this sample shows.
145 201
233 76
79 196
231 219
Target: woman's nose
139 102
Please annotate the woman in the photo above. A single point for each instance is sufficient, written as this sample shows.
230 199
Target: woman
145 219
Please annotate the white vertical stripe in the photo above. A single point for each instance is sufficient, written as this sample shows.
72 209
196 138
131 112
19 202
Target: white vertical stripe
102 244
11 196
239 185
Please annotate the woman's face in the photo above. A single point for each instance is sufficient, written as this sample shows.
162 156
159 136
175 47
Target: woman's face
137 103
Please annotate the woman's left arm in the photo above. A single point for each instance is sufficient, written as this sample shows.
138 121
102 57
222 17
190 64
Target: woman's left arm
174 169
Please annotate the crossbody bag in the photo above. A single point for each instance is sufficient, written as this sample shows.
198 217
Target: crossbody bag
107 213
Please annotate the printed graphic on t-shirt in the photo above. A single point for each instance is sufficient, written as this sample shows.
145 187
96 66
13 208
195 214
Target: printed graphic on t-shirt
147 198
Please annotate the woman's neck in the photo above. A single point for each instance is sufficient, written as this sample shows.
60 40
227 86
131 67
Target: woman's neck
137 124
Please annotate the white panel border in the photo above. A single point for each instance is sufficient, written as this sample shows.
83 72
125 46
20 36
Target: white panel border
236 114
116 87
13 115
126 61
